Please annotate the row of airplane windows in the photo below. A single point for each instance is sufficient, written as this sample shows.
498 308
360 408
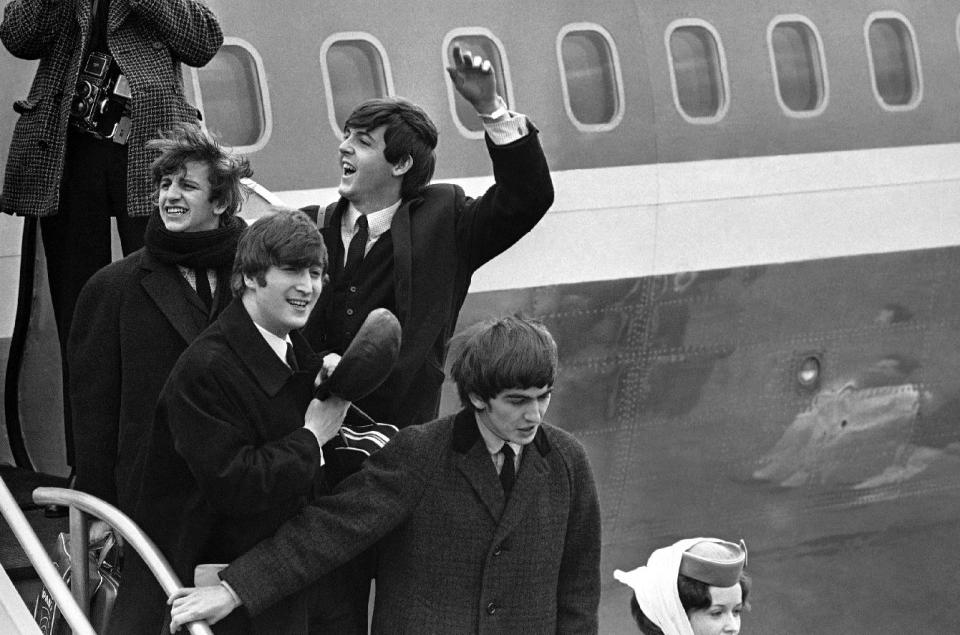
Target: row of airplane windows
232 90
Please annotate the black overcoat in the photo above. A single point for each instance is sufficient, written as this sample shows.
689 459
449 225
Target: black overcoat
227 463
133 319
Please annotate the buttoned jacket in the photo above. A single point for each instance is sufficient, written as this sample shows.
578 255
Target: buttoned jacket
440 238
456 555
148 38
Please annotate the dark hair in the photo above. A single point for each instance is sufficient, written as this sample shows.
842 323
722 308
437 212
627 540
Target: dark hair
694 596
282 237
504 353
409 133
647 627
185 142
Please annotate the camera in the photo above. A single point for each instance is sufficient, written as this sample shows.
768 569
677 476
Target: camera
101 101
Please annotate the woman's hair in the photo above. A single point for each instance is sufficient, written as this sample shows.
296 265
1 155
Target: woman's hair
694 596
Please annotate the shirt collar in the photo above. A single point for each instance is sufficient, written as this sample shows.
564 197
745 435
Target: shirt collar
494 443
377 222
277 344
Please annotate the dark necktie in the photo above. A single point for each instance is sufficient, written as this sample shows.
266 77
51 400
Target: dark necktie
203 288
507 472
357 246
292 358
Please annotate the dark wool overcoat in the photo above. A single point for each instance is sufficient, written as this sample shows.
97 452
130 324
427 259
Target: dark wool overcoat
455 556
228 461
439 239
148 38
133 319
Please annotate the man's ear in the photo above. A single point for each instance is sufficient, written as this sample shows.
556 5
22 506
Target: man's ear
402 166
250 282
477 402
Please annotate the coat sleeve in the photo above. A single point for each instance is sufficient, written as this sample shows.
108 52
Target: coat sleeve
236 471
30 27
93 353
188 28
521 195
364 507
578 588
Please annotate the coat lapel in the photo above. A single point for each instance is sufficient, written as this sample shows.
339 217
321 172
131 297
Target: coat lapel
473 461
528 489
119 10
184 311
403 259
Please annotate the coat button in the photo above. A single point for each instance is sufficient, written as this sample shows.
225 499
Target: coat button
349 311
158 45
491 608
353 289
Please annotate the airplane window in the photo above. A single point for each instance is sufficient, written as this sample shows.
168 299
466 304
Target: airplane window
232 97
488 49
798 66
697 74
354 72
894 61
590 75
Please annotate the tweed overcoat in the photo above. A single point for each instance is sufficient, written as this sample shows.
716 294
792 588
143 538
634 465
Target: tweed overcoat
148 38
133 319
454 555
439 239
228 460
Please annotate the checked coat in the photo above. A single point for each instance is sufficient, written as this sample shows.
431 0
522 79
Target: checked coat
455 555
148 38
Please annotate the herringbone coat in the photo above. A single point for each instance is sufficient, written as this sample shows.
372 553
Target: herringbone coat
455 555
148 38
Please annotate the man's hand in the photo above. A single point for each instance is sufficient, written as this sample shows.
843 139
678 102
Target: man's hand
211 603
330 361
323 418
99 529
474 79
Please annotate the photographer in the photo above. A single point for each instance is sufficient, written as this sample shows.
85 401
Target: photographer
109 78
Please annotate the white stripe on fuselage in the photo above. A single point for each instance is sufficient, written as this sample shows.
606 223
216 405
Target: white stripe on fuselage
632 221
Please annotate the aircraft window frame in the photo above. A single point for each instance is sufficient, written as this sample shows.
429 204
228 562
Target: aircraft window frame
917 78
507 93
725 97
349 36
620 106
822 77
266 110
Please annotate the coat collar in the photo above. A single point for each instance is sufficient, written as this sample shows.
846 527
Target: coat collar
466 434
247 343
473 461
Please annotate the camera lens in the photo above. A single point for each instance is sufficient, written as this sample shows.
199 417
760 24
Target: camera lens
79 107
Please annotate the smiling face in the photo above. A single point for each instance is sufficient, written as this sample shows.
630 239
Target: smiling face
514 415
722 617
367 179
184 200
286 298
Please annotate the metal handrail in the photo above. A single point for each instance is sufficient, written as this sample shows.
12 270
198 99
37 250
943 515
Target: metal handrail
42 564
81 504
